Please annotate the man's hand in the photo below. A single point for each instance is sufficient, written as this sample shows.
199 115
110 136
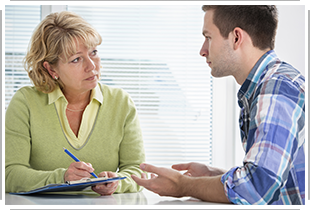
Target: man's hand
198 169
166 182
169 182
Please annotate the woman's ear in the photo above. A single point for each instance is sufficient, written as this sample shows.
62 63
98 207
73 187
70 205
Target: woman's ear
50 70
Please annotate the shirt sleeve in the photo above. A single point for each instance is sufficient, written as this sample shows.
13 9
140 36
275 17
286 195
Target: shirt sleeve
275 136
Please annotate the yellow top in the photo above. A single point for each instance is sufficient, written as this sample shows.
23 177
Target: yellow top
88 118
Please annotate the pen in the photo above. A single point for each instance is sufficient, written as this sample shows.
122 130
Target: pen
77 160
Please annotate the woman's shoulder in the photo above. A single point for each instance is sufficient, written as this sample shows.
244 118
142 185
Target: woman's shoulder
29 94
30 91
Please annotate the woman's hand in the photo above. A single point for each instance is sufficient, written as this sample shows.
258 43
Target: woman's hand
106 188
78 171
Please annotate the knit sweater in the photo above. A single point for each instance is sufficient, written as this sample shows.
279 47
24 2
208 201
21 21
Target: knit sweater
34 141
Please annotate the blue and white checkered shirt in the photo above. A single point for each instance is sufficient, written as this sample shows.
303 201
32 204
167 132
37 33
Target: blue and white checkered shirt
272 125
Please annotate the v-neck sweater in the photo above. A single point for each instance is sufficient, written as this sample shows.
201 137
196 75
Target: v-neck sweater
34 141
88 116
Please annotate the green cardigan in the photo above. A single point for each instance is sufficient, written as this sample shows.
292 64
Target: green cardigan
34 141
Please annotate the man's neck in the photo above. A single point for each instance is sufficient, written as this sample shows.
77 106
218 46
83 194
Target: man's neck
249 60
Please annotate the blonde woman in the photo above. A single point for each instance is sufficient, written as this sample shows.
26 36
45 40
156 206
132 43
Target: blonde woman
68 107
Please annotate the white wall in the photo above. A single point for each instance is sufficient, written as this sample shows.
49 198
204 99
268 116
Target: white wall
290 39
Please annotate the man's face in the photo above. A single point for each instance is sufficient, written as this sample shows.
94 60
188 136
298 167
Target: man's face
217 50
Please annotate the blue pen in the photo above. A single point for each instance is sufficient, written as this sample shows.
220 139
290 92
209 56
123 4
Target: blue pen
77 160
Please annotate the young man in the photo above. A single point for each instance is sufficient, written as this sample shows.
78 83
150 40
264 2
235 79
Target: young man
239 41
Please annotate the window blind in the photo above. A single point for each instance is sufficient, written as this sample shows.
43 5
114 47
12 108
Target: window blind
152 52
20 22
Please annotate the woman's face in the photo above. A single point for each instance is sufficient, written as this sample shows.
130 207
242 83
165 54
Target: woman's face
80 73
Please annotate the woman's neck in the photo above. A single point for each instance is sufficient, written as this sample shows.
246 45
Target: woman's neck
77 101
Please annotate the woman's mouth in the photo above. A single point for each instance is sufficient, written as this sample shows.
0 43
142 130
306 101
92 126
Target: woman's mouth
91 78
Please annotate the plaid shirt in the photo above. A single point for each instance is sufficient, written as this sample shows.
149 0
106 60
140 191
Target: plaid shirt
272 125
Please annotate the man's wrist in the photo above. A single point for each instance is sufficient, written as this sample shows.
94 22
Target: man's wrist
185 185
217 171
204 188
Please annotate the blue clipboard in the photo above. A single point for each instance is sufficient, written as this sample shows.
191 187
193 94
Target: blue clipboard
65 187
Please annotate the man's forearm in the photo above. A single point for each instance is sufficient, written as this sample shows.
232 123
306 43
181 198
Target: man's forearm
205 188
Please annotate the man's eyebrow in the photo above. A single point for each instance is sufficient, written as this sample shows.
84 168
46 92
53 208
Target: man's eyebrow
205 32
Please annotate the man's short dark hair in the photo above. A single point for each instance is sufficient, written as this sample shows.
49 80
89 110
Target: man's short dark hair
259 21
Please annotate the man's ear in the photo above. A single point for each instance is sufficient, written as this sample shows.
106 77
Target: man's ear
238 37
50 69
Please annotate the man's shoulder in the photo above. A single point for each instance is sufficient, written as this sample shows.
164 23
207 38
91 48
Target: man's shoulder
284 78
288 72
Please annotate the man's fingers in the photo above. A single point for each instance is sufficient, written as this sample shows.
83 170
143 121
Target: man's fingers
181 166
187 174
143 176
139 181
153 169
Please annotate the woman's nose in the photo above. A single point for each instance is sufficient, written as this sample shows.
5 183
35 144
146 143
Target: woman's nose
90 64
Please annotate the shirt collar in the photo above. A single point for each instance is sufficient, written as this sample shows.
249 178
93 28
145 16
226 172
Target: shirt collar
97 94
57 94
248 87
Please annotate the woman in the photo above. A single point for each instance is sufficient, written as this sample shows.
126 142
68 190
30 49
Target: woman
69 108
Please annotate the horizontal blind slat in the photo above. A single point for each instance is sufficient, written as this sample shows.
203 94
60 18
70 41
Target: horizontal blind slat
152 52
165 82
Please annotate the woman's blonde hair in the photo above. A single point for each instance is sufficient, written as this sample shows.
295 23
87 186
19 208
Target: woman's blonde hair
54 39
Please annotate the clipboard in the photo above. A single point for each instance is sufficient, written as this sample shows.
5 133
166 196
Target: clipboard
70 186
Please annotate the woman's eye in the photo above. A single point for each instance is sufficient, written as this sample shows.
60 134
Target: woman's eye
76 60
95 52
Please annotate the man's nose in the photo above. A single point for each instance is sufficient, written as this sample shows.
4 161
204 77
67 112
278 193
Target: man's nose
204 50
